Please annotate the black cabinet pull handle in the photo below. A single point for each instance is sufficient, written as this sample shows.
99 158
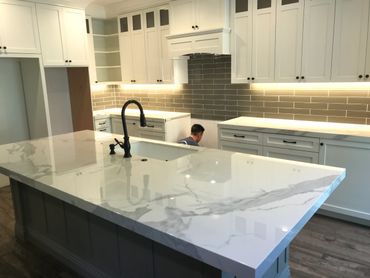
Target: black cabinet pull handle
96 81
289 142
360 76
367 76
103 129
239 136
302 77
133 123
150 126
297 77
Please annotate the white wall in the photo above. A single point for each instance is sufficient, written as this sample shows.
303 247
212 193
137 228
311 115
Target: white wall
59 101
210 136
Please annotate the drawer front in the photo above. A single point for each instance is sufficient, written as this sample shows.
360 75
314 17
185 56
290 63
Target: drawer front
104 129
240 147
302 156
151 135
291 142
102 123
241 136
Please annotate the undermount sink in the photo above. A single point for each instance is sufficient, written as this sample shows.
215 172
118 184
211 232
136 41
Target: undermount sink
159 151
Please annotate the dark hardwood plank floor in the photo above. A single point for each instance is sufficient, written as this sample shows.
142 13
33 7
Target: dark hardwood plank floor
326 247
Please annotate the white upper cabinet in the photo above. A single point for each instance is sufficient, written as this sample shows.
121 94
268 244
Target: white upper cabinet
241 41
75 38
253 40
317 40
263 49
289 35
133 48
153 46
198 15
350 35
63 36
18 28
164 31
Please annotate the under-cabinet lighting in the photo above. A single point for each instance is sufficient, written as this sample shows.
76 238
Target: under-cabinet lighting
152 87
312 86
98 87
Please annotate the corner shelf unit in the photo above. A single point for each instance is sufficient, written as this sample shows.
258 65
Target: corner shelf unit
106 50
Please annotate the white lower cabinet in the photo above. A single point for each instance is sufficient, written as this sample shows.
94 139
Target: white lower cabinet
171 130
350 201
352 196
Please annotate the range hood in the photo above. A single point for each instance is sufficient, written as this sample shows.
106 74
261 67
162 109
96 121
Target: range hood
215 41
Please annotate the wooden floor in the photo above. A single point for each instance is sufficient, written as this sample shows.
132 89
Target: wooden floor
325 248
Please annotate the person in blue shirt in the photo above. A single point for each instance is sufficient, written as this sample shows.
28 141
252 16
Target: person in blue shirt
196 135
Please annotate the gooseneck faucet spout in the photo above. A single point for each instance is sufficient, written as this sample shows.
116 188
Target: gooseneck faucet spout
126 142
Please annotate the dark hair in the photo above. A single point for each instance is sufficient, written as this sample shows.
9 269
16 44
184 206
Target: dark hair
196 129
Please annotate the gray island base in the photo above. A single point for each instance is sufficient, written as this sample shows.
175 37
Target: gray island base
170 210
95 247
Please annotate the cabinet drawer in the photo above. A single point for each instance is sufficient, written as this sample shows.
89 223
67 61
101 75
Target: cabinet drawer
302 156
104 129
152 126
102 123
241 136
240 147
291 142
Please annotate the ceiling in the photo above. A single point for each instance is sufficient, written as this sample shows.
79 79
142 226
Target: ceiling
106 2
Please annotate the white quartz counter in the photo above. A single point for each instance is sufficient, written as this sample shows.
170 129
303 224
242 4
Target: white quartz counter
234 211
353 132
152 114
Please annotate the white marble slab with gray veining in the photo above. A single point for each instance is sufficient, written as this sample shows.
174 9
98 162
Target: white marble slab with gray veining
323 130
234 211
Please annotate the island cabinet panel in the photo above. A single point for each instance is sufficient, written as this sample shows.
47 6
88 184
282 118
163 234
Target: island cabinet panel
104 242
34 210
77 226
55 219
169 264
136 255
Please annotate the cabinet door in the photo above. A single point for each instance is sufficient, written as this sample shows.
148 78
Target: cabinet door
263 50
18 30
289 27
367 65
152 43
126 49
350 34
317 40
74 37
289 154
138 48
164 31
49 21
182 16
352 196
210 14
241 41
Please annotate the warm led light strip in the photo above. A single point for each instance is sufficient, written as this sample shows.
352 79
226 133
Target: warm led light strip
312 86
151 87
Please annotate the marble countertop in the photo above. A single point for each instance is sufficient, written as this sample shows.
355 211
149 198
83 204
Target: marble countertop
234 211
149 114
325 130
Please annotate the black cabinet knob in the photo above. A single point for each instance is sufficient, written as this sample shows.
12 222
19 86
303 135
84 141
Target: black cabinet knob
1 47
4 47
96 81
367 76
193 27
66 61
360 76
70 61
302 77
252 78
248 78
321 144
196 26
297 77
160 80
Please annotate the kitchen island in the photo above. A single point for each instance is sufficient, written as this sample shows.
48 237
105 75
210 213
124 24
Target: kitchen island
169 211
